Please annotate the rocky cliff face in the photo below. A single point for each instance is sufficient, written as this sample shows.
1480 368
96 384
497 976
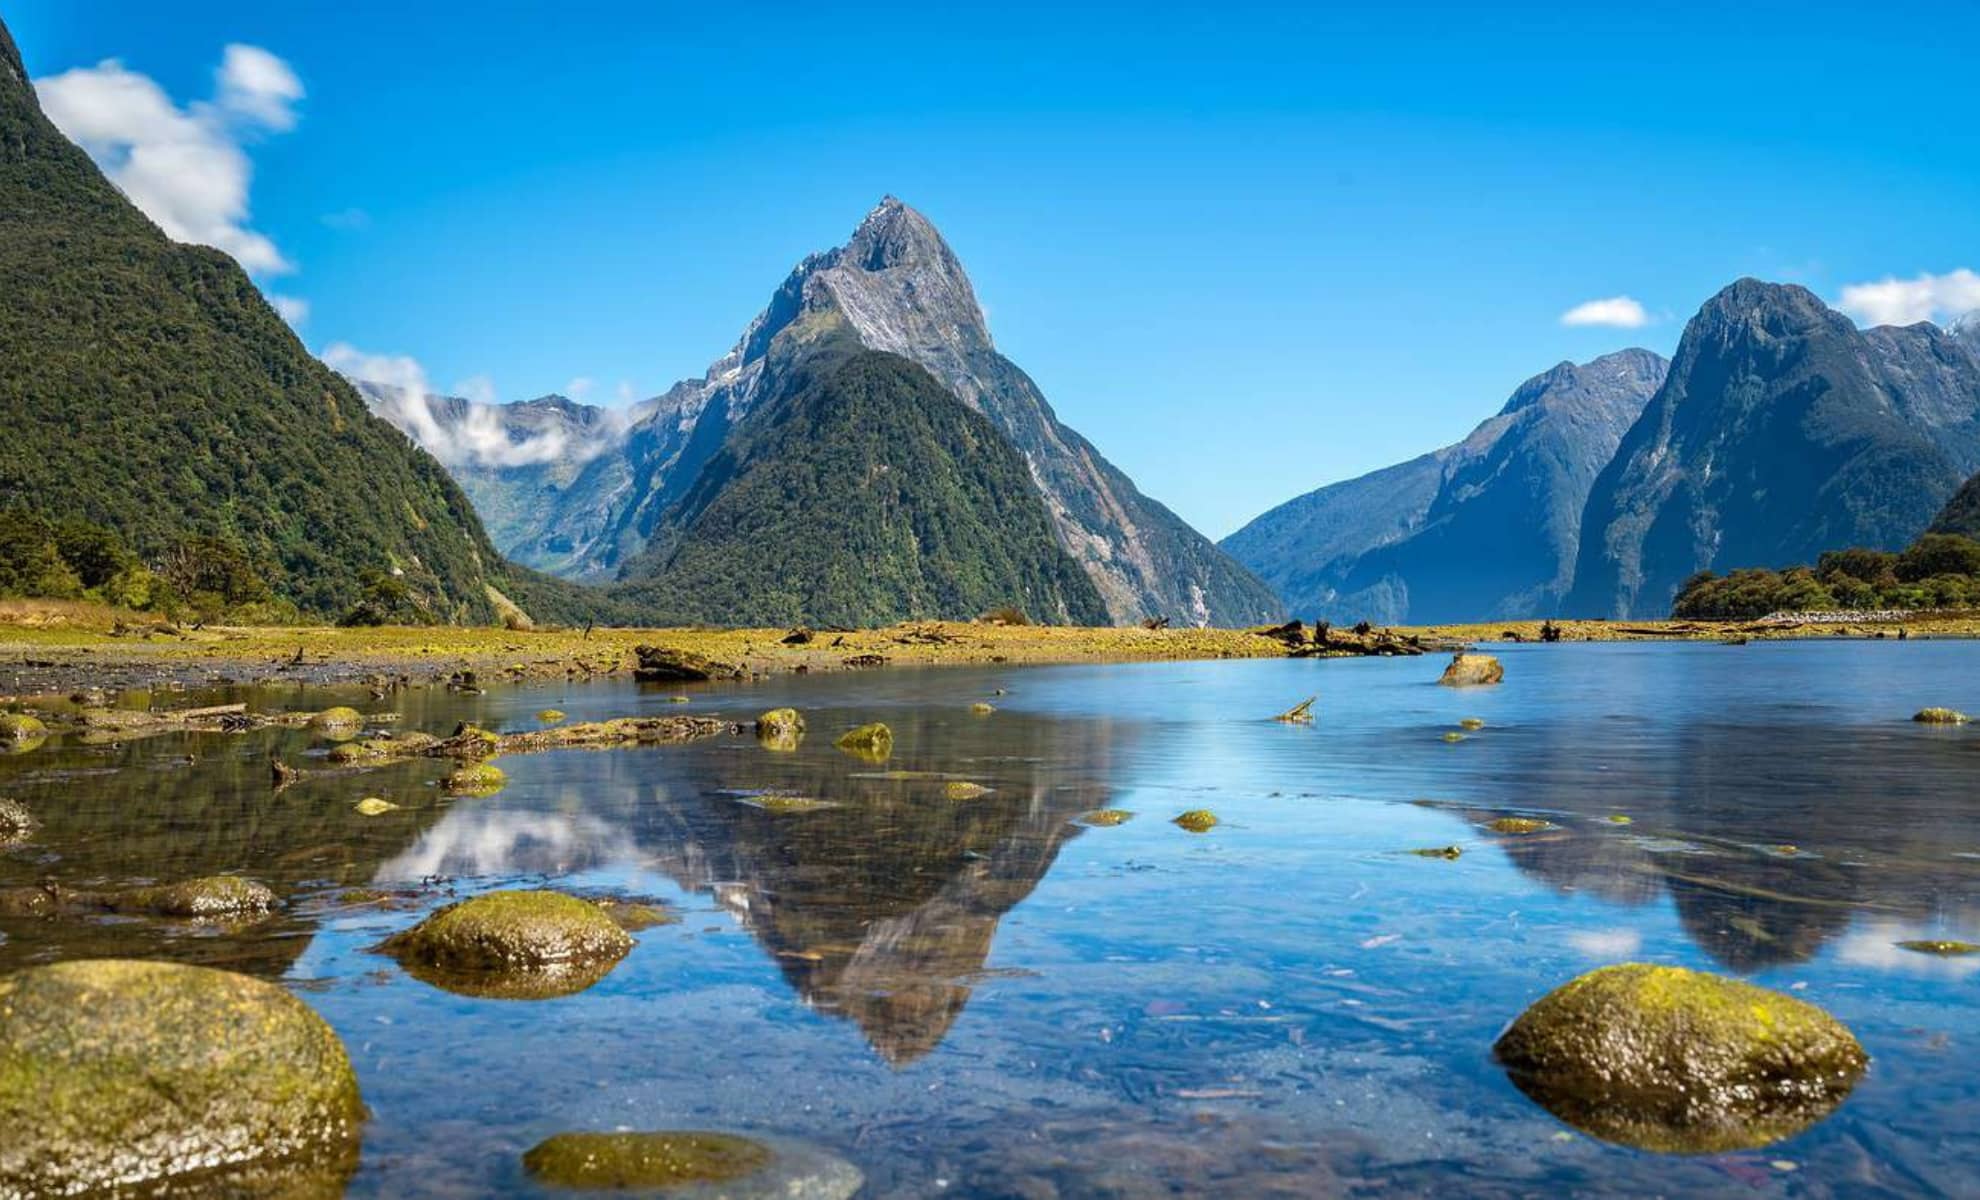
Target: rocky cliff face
1782 431
897 287
1486 528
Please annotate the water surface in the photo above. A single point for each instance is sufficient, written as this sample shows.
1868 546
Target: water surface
988 997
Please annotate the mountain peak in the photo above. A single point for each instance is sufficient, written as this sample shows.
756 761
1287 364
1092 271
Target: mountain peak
1750 308
894 235
1630 371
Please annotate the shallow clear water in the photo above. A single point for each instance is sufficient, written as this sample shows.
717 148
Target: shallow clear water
984 997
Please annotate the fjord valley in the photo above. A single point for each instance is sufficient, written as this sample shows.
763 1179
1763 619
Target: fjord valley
830 775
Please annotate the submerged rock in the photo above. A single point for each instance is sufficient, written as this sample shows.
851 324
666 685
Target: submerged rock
963 789
339 722
635 916
1940 947
115 1074
1453 736
1940 716
1197 820
373 806
16 822
1666 1059
474 779
1439 852
1106 818
550 716
874 743
21 727
692 1165
1518 825
982 708
213 897
1472 670
522 945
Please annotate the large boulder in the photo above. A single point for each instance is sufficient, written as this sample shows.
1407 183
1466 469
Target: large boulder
21 727
515 945
1472 670
663 664
116 1073
211 898
692 1165
874 743
1666 1059
780 729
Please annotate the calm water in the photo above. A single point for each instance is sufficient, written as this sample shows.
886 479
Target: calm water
985 998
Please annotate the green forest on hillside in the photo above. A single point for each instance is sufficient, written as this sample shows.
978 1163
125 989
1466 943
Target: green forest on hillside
1938 571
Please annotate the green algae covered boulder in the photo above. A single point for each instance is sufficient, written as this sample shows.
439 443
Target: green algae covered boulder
1518 825
1105 818
21 727
1680 1061
780 729
691 1163
1197 820
211 898
117 1074
474 779
514 945
1940 716
874 743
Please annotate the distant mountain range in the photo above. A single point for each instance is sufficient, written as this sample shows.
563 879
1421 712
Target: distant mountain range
1487 528
617 506
1779 430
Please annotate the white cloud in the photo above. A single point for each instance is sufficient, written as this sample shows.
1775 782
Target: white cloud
1618 312
184 167
294 309
478 437
624 391
577 389
258 87
1894 301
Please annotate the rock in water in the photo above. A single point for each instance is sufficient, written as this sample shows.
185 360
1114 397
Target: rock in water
116 1073
20 727
518 945
874 742
338 724
216 896
693 1165
1472 670
780 729
660 664
1940 716
16 822
474 779
1666 1059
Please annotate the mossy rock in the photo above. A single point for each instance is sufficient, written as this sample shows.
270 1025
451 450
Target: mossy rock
1620 819
636 916
780 729
474 779
1472 670
1940 947
982 709
1518 825
551 716
1453 736
117 1074
16 822
1197 820
374 806
211 898
1445 852
963 789
693 1165
1471 723
522 945
339 723
1106 818
874 743
1940 716
21 727
1680 1061
344 753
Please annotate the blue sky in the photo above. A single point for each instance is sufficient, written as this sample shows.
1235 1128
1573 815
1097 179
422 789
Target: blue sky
1246 251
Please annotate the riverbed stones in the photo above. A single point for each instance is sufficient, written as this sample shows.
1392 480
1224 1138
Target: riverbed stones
117 1074
874 742
1472 670
1680 1061
16 822
692 1165
513 945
